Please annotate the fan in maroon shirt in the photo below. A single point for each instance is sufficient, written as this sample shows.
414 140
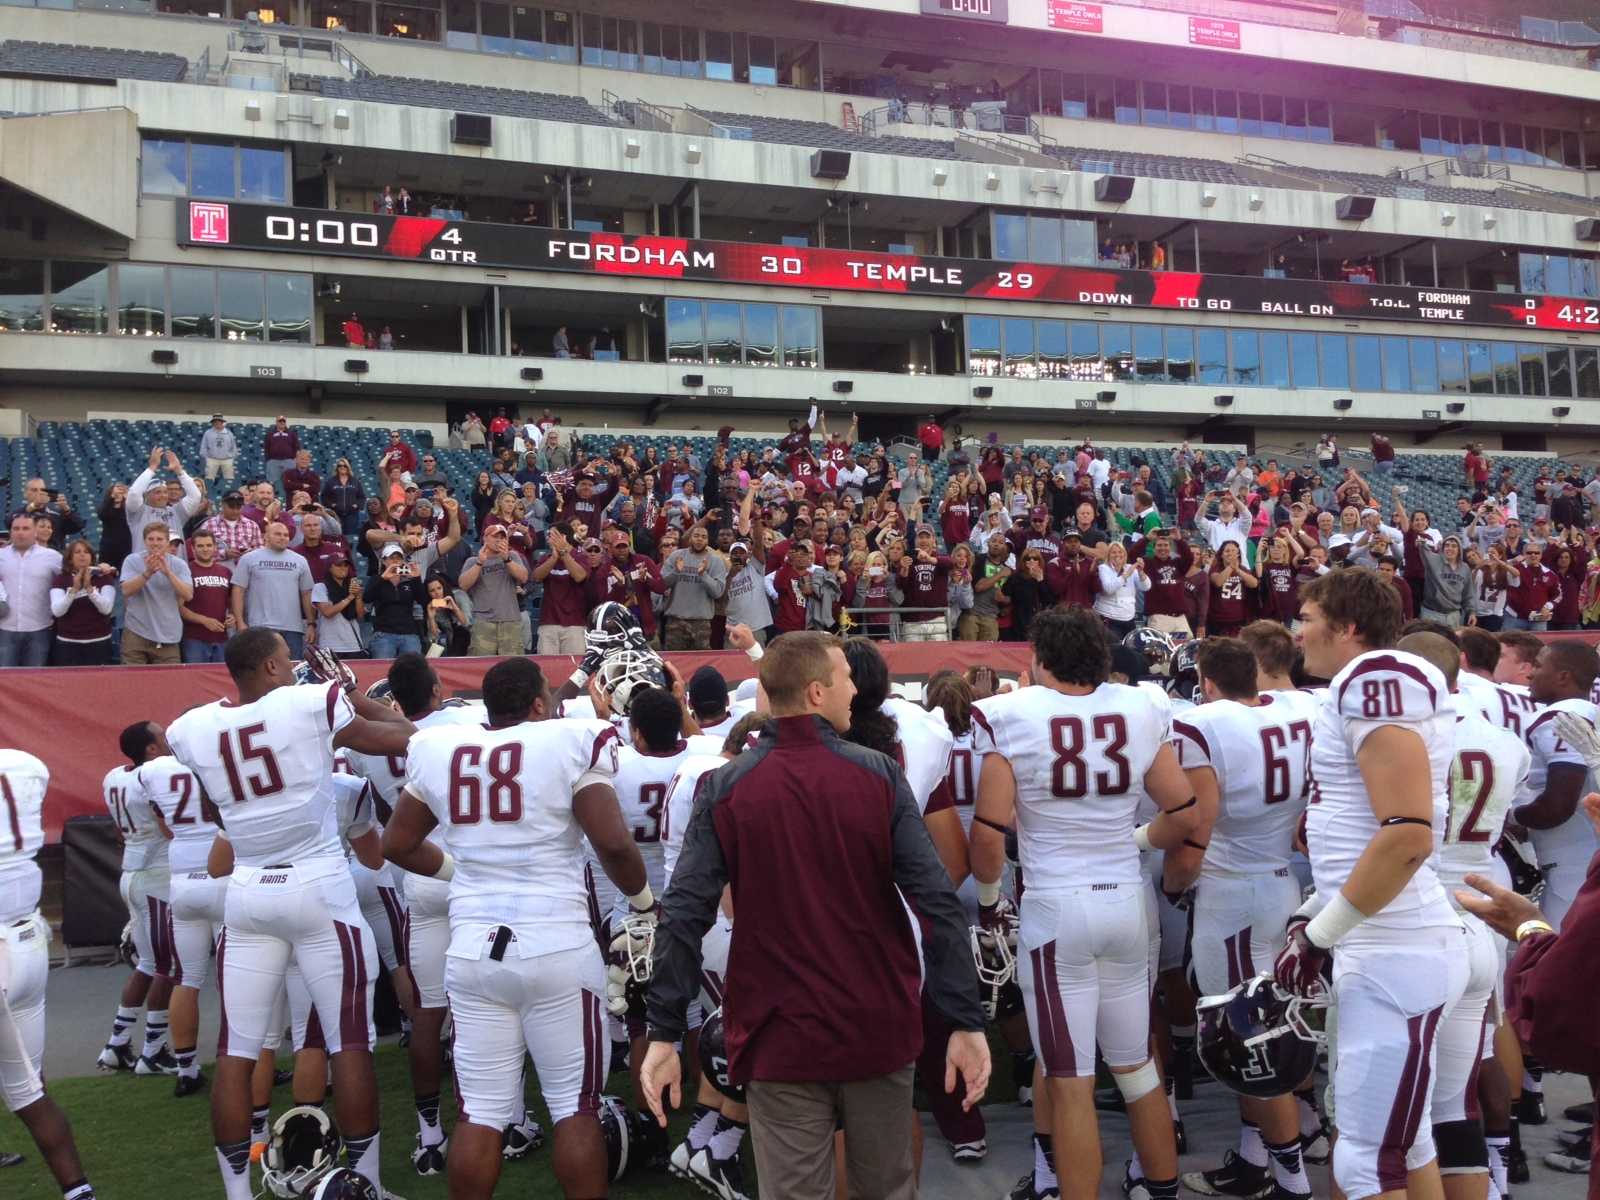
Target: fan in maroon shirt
1073 575
925 577
1232 588
1279 596
1166 571
586 501
789 581
1538 586
212 583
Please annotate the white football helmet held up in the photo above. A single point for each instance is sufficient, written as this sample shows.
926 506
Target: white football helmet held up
303 1148
624 672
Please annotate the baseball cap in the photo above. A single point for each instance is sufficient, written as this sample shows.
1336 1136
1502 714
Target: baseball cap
708 690
740 546
1371 511
218 417
406 480
337 557
391 550
1337 540
233 498
1041 513
924 529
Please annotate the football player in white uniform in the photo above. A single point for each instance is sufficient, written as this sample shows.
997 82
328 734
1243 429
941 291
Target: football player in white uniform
145 887
709 1152
1486 774
1381 750
1244 753
1562 836
24 964
266 762
1276 653
417 693
171 789
1068 760
523 974
645 773
1508 706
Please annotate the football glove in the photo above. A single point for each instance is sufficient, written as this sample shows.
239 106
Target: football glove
1582 736
330 668
1298 969
999 918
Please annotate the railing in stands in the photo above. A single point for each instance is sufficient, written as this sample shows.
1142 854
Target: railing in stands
257 40
1443 168
984 116
869 621
641 114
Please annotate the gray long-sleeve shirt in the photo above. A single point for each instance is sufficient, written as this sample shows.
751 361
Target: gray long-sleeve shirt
694 592
219 443
1446 589
173 516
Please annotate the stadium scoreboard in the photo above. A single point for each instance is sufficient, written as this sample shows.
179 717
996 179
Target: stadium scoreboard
258 227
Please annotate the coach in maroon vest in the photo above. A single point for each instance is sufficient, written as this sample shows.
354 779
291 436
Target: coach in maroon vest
818 838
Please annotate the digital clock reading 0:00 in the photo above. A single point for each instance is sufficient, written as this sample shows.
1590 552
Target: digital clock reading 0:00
324 233
977 10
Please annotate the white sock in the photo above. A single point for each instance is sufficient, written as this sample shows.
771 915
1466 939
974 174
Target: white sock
1135 1167
1172 1101
155 1032
1310 1115
122 1024
1531 1084
702 1127
1499 1151
1044 1171
363 1157
259 1119
726 1138
428 1127
234 1162
1251 1148
1288 1170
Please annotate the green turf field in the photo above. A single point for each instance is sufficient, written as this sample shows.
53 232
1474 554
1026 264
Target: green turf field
139 1143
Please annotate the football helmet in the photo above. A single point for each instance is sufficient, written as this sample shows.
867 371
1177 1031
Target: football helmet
623 672
1183 673
382 692
305 673
616 1131
1155 646
1258 1039
613 626
304 1147
127 948
345 1184
1526 879
995 954
714 1057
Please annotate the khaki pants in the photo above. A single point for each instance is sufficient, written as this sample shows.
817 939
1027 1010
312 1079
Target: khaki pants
1162 623
561 639
141 651
973 628
494 638
219 466
792 1125
936 630
688 633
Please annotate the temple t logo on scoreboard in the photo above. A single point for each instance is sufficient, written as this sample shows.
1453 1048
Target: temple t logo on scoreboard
208 222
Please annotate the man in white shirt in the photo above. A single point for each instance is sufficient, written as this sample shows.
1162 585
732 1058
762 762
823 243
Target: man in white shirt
148 499
27 570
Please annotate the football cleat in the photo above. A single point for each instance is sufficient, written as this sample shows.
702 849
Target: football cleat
1234 1177
1023 1189
1529 1108
720 1177
519 1141
1180 1137
617 1130
188 1085
969 1152
160 1063
1582 1113
1134 1189
648 1143
1573 1163
429 1160
678 1162
1315 1148
117 1058
10 1159
1517 1165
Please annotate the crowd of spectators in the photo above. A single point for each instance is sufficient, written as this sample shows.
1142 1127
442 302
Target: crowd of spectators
814 531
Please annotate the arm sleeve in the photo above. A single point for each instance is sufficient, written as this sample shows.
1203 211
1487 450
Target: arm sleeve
133 505
952 980
103 598
1550 987
190 504
59 602
688 909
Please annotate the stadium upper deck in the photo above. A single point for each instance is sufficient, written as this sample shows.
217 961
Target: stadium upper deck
1224 213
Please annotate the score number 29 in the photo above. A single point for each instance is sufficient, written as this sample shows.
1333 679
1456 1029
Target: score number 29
1020 280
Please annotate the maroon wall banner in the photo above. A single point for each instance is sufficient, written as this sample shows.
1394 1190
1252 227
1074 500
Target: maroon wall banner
225 225
71 716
